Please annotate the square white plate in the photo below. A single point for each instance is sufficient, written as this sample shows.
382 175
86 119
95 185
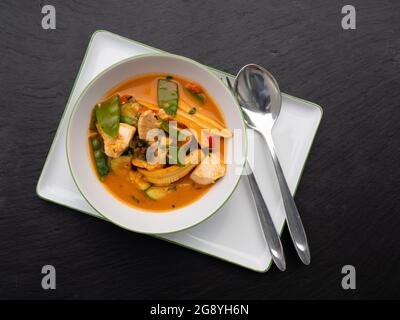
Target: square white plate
233 233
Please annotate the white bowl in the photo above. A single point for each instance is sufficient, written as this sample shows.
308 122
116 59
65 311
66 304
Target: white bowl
85 177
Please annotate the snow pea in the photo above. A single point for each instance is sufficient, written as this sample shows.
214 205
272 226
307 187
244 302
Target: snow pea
129 113
100 158
108 115
167 95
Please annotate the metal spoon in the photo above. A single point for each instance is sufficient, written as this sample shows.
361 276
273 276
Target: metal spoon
259 96
270 234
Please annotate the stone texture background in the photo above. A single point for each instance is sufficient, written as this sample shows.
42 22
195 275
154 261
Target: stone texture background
349 193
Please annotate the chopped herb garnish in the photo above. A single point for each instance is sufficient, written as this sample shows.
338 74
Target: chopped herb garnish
192 111
135 199
141 143
100 157
172 188
198 96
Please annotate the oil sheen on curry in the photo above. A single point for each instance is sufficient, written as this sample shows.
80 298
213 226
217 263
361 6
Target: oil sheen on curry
157 142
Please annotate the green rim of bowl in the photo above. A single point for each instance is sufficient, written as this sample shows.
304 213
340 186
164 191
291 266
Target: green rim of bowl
162 54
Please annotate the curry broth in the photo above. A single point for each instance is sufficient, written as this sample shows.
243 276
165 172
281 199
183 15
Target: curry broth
127 192
145 88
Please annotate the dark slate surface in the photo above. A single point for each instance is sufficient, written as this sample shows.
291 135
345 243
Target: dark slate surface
349 194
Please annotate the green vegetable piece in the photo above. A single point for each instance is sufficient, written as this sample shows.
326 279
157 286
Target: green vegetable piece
100 158
198 96
129 120
172 131
193 110
128 152
164 126
129 113
108 115
121 165
93 120
167 95
142 143
173 152
128 109
157 193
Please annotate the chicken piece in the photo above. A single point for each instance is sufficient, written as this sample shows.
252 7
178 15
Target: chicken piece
114 147
209 170
147 121
146 165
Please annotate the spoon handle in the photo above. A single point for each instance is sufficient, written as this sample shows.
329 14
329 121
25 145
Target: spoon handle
270 233
295 225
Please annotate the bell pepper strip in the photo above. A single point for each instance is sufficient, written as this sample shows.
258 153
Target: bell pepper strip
108 115
194 87
167 96
210 142
199 97
100 158
196 91
124 99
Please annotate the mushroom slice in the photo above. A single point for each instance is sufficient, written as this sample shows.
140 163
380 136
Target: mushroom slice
147 121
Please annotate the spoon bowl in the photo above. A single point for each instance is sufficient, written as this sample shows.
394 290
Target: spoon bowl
258 93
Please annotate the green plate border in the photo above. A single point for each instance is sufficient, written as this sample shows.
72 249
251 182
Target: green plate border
211 68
